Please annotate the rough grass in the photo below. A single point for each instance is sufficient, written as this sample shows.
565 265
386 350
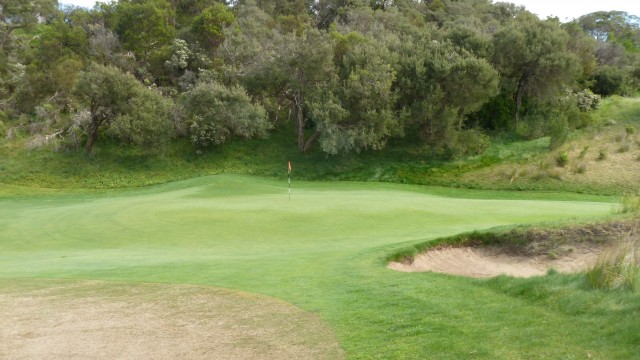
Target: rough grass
324 251
629 203
619 267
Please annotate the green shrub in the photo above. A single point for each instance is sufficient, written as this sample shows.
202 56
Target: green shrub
562 159
3 129
467 143
587 100
602 154
583 152
618 268
630 130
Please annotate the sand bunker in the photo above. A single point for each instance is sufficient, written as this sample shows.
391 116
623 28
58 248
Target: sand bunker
484 262
575 248
49 319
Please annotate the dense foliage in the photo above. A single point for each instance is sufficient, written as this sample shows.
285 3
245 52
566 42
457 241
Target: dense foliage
349 76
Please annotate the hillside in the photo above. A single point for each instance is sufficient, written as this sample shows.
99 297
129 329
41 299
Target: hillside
508 164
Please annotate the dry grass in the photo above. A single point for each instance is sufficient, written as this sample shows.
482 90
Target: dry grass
618 268
50 319
607 158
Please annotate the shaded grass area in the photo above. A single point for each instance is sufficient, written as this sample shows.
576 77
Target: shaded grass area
325 251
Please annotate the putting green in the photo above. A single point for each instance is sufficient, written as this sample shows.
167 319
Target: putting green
322 251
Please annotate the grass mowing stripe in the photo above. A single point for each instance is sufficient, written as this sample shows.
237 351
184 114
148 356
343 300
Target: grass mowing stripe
322 251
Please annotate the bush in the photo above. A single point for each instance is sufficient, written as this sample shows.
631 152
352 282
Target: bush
609 80
629 129
562 159
217 113
472 142
587 100
3 129
583 152
602 154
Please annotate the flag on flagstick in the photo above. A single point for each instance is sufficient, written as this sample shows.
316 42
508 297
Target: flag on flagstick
289 178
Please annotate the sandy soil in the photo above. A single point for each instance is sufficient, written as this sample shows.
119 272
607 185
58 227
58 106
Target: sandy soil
484 262
99 320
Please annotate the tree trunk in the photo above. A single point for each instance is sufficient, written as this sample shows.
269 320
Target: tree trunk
5 38
93 135
311 140
518 98
300 121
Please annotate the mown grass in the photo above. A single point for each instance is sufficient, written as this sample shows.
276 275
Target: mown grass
325 251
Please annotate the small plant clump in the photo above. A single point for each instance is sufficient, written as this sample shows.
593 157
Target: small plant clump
630 130
602 154
618 268
583 152
562 159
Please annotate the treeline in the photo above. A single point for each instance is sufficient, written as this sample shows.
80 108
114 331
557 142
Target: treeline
351 75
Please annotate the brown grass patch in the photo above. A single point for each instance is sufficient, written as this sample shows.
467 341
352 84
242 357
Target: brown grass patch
59 319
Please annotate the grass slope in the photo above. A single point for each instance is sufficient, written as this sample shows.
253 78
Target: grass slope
325 251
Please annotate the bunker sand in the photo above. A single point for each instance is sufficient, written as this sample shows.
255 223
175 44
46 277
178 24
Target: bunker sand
59 319
483 262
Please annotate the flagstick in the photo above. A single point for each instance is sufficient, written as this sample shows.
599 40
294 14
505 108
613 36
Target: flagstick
289 178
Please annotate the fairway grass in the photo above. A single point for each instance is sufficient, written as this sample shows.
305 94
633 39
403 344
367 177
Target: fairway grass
324 252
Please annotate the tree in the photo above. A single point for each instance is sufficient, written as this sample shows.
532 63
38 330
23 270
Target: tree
19 14
53 64
137 114
357 111
613 26
533 59
583 46
298 67
208 26
217 113
440 84
144 26
610 80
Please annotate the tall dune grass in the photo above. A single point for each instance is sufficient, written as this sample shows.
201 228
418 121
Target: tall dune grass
618 268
